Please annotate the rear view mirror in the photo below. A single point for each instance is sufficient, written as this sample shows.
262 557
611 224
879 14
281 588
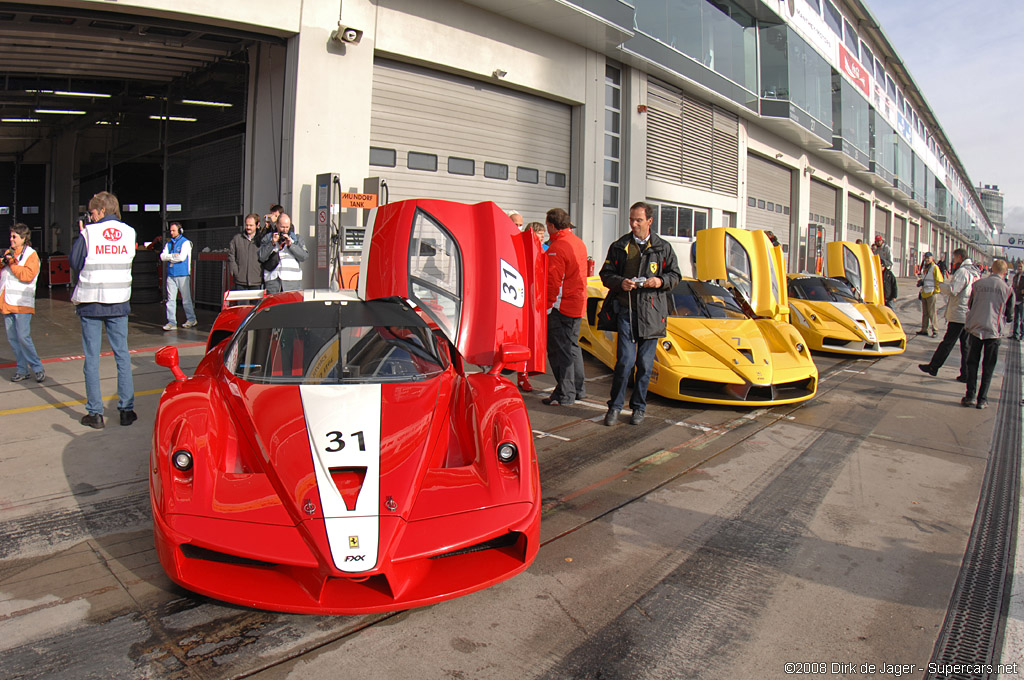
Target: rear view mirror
510 354
168 358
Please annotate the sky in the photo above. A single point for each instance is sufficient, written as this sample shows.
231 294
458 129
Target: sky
967 58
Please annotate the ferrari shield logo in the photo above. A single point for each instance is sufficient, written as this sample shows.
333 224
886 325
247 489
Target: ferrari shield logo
353 541
654 267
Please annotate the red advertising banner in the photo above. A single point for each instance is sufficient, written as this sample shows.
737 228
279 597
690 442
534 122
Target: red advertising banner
854 71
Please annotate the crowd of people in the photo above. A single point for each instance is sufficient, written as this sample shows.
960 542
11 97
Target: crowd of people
640 270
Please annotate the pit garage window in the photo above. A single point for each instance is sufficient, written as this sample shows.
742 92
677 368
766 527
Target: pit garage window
701 299
495 170
435 273
385 158
738 268
422 161
316 346
851 265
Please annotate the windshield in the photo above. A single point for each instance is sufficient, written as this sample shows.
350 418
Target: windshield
851 266
821 289
318 343
737 267
704 300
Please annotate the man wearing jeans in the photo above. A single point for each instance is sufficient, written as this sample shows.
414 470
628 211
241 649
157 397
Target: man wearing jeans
178 256
103 256
987 310
639 273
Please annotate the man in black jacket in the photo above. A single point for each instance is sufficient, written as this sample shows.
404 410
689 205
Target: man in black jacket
640 273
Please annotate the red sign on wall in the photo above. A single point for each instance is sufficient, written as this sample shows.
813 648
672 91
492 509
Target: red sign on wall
854 71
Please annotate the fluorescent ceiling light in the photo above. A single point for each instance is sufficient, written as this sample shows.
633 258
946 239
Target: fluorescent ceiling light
68 112
19 120
180 119
200 102
107 122
67 93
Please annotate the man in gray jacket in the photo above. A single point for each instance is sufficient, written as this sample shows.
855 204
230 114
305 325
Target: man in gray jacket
987 309
958 290
243 256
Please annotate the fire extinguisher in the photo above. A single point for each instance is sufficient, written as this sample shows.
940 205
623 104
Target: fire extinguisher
590 266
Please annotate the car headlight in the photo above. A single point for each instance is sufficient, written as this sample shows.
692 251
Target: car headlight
507 452
814 317
800 347
182 460
666 345
896 322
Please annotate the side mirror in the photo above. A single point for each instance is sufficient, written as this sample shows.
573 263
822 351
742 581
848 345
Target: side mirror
168 358
509 354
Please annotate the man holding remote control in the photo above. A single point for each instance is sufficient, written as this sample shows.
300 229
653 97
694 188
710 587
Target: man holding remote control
640 273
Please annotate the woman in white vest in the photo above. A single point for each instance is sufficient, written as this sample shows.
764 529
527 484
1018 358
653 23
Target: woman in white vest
18 302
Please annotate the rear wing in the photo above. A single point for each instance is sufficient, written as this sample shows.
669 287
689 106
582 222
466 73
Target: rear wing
234 298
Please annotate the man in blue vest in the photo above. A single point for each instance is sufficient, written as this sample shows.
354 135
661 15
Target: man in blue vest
178 254
103 257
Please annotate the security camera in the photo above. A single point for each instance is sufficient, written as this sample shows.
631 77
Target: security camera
347 34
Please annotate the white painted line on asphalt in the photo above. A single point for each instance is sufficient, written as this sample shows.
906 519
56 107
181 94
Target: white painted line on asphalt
540 434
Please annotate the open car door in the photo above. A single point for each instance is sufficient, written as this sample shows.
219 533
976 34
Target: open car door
859 266
470 269
749 261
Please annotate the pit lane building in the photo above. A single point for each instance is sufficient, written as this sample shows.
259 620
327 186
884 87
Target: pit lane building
794 116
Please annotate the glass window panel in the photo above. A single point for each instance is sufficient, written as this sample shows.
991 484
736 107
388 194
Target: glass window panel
435 270
612 97
611 146
461 166
852 42
611 196
879 71
778 207
495 170
833 18
555 179
728 41
668 220
528 175
685 223
752 202
737 267
386 158
770 207
612 75
851 266
611 121
611 171
422 161
760 203
816 4
867 57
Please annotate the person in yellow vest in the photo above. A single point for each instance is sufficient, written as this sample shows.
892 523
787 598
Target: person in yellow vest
931 277
18 302
103 256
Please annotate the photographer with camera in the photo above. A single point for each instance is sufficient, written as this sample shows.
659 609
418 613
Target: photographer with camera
20 269
269 222
282 254
640 272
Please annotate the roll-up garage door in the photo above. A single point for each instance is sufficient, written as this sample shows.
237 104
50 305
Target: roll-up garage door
857 217
899 245
883 225
824 208
435 135
689 141
769 191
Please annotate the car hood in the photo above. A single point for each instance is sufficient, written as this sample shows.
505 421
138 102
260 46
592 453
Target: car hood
854 318
745 346
346 455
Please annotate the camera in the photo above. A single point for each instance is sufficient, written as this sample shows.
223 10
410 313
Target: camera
639 280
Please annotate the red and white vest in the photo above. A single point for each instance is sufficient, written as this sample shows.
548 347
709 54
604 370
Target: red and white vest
18 293
107 274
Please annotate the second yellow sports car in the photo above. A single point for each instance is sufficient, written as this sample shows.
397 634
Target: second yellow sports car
844 313
727 342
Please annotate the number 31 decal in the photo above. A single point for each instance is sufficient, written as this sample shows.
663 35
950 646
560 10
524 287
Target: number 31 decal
338 442
513 289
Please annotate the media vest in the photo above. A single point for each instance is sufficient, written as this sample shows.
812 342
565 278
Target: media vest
182 268
17 293
107 274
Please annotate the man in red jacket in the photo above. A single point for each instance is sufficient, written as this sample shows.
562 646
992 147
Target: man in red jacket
567 302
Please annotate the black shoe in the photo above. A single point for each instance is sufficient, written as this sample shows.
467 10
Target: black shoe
967 402
612 417
927 368
961 378
128 417
934 334
922 332
637 417
550 401
93 420
982 403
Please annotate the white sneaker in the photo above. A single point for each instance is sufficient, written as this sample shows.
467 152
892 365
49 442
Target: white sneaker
170 326
189 324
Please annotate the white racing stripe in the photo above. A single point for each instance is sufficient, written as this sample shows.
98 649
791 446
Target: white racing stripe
343 423
851 311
